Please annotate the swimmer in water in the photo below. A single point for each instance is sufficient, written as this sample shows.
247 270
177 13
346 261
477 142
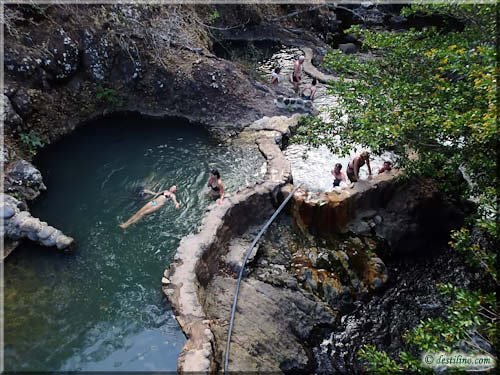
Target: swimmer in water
153 205
216 186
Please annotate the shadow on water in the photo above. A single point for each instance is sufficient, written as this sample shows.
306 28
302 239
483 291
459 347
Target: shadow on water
100 308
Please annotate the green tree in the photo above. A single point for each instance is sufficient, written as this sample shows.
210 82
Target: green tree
430 97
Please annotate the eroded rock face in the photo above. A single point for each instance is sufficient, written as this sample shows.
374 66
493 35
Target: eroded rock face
24 180
19 224
11 119
410 296
408 216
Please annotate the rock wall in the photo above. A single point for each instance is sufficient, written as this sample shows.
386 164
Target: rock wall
408 215
65 64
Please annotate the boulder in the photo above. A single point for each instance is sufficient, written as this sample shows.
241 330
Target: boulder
23 179
65 56
10 117
348 48
97 56
22 103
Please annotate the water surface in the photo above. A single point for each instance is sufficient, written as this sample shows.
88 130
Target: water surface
101 308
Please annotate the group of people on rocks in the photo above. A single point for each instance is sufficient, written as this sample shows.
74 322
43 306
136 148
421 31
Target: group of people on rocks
308 92
215 184
353 168
215 189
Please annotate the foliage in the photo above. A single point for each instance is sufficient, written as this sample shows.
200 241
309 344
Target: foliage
471 313
431 93
109 96
32 141
431 98
214 16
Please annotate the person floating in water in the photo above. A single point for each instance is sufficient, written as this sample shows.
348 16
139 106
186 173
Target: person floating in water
216 185
155 204
310 90
355 164
338 175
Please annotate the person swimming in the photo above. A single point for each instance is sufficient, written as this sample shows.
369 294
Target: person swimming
216 185
153 205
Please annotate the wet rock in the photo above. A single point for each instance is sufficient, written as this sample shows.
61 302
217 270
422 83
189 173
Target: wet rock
23 179
20 224
348 48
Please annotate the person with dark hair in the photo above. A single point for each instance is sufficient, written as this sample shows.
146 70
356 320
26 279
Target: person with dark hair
385 168
216 185
310 90
153 205
275 76
355 164
338 175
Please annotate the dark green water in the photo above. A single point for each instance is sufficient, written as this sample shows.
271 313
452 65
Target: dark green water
101 308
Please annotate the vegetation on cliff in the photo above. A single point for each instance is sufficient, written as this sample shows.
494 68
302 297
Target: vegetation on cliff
430 93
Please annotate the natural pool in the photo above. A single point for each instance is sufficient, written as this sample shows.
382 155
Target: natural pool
100 308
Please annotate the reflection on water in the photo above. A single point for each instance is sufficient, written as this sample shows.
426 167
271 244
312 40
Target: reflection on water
100 308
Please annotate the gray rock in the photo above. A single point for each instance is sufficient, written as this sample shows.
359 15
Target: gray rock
64 242
7 212
22 178
348 48
65 56
97 56
22 103
46 232
10 117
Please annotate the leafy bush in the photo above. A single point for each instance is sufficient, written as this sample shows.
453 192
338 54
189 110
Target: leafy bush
32 141
109 96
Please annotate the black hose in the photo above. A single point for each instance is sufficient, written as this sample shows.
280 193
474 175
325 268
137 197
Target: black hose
237 290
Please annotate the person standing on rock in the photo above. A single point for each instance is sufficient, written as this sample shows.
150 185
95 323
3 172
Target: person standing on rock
297 73
355 164
216 185
153 205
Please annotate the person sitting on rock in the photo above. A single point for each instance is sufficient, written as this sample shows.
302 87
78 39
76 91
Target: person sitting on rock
153 205
297 73
275 76
310 90
387 167
338 175
216 185
355 164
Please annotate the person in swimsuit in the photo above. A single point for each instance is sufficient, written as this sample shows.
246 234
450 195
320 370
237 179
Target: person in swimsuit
356 163
338 175
216 186
310 90
297 73
153 205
